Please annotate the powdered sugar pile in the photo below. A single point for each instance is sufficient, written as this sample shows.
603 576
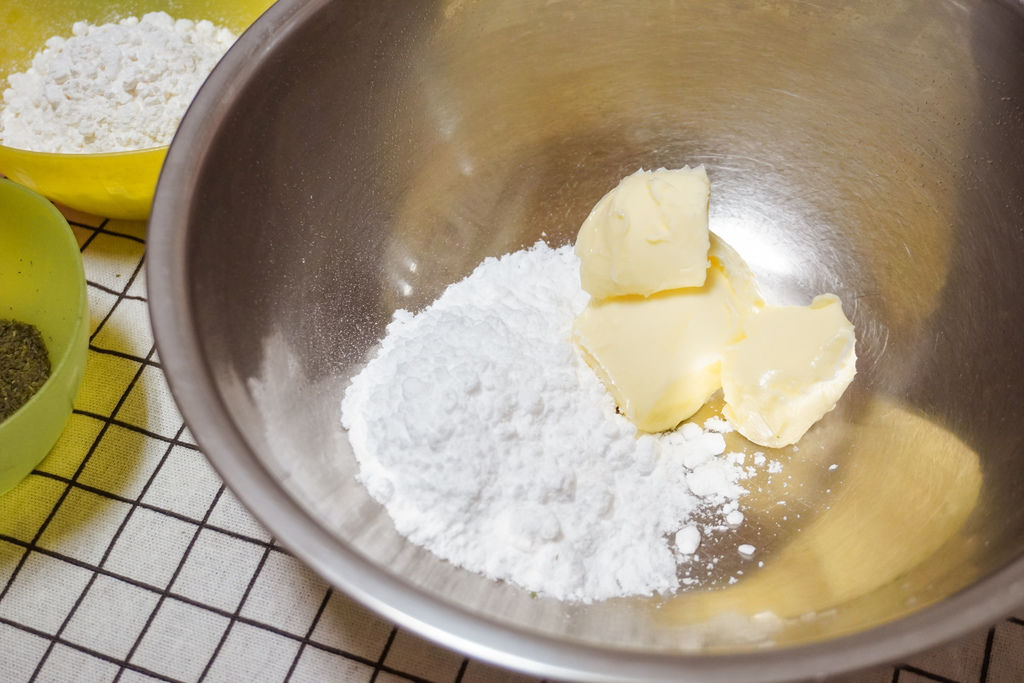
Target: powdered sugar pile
109 88
494 446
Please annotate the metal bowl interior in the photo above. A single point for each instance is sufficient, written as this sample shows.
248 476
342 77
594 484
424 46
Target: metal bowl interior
349 159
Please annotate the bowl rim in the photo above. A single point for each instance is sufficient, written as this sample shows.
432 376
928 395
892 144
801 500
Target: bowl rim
64 156
396 599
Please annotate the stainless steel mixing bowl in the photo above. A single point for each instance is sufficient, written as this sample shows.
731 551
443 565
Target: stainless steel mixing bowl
350 158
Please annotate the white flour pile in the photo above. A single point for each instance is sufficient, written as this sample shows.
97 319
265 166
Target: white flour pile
111 88
494 446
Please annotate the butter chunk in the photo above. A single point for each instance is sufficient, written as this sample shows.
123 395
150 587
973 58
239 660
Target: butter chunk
746 291
660 356
647 235
790 369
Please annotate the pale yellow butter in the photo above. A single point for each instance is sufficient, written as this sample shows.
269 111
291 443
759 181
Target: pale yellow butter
676 314
660 356
790 369
649 234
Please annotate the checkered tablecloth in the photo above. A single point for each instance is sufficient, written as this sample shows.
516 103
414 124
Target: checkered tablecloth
124 557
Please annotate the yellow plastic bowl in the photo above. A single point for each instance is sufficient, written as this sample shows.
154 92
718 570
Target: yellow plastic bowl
42 283
117 184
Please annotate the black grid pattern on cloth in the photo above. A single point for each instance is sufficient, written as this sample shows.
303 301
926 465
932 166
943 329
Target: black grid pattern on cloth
124 558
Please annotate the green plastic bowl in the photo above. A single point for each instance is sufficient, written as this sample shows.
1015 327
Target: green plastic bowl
41 282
